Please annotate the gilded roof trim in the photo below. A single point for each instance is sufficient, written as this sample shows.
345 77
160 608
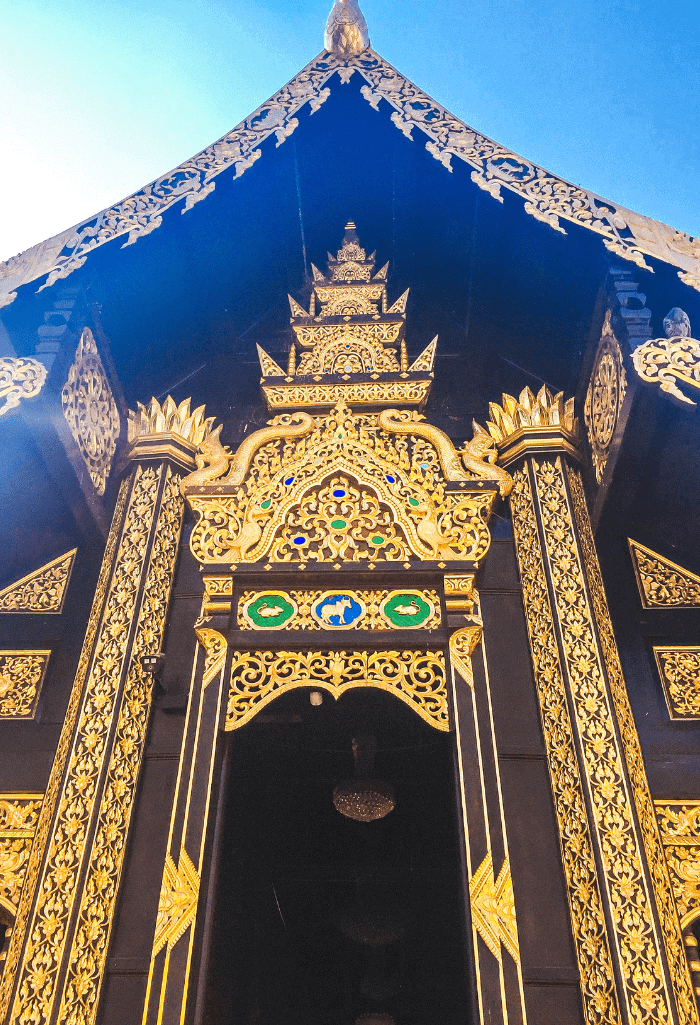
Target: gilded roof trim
547 197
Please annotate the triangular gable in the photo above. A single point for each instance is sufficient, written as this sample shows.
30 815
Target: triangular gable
663 584
42 591
547 197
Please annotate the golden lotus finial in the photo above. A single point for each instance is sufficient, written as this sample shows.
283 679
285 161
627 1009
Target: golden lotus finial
529 410
170 419
346 29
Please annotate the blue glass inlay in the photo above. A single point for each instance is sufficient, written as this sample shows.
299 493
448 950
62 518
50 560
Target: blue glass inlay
299 540
289 480
392 480
338 493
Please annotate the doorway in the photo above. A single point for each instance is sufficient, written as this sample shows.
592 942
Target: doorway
320 919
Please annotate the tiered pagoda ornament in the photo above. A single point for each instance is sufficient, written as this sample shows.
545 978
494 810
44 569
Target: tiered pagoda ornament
350 343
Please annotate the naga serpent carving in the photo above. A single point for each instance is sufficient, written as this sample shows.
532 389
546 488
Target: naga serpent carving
408 422
214 459
479 456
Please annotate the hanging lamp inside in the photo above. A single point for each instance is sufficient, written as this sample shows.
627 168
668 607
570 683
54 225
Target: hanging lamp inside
363 798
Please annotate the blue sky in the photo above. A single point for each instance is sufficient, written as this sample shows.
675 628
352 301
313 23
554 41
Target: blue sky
97 99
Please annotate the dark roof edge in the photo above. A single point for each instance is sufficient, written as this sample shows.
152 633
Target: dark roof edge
547 197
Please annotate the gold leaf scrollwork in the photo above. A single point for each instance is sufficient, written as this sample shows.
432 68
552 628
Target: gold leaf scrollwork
664 361
604 398
462 645
663 584
380 498
585 902
493 908
91 412
19 379
215 646
679 669
34 864
21 676
18 819
416 677
661 882
634 929
177 905
44 590
679 822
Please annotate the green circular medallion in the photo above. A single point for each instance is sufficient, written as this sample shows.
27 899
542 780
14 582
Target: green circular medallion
269 610
407 609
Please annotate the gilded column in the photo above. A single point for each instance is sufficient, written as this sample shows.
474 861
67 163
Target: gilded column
56 960
625 926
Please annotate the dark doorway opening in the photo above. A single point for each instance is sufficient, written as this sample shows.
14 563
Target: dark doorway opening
323 920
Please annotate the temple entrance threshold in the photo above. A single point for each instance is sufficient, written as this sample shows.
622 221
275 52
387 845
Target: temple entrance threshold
321 919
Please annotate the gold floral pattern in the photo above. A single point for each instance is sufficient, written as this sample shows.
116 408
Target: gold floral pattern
380 497
177 906
416 677
679 822
585 902
18 818
43 590
21 677
604 398
630 904
679 670
673 941
91 412
662 584
493 908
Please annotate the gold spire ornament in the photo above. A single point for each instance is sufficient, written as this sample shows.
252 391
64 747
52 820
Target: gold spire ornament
346 29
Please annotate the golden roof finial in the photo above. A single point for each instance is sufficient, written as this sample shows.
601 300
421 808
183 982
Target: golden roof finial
346 29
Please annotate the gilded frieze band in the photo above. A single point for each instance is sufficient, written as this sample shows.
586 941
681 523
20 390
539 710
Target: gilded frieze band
19 814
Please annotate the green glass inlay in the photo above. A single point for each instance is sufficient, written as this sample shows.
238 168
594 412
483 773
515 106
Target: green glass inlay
377 540
413 501
266 504
338 524
408 609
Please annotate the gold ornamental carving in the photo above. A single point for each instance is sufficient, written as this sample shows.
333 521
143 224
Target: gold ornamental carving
679 670
679 822
634 931
350 340
671 360
546 197
43 590
20 378
19 814
604 398
662 583
138 590
415 677
21 677
340 487
297 610
588 924
462 645
91 412
34 864
177 906
460 593
215 647
493 908
660 879
531 422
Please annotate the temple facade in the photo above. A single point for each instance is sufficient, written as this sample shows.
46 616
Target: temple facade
350 586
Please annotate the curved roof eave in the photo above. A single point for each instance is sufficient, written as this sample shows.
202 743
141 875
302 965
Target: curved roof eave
547 197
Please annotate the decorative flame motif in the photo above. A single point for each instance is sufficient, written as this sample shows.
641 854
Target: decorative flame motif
170 419
528 410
